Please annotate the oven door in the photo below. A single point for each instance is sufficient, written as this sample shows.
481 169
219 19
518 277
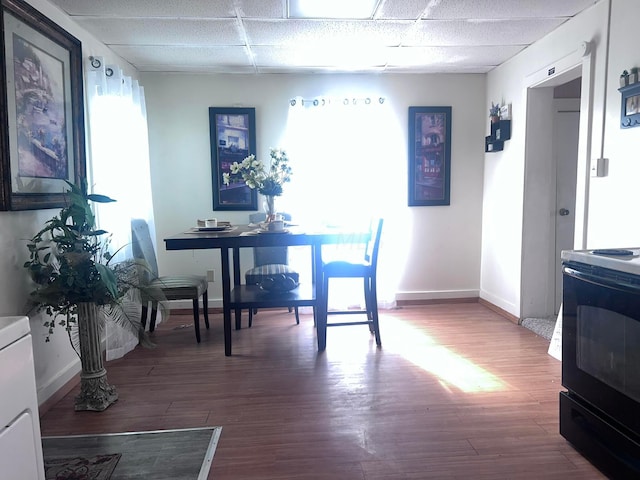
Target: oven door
601 340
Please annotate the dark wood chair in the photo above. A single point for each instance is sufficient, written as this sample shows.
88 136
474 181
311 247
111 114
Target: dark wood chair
269 262
365 269
173 287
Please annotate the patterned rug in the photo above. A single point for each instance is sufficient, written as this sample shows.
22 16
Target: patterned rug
97 467
184 454
541 326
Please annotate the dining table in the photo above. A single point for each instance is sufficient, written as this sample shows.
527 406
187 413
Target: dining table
237 296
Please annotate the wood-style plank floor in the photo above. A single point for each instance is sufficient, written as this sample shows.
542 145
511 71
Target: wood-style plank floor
455 392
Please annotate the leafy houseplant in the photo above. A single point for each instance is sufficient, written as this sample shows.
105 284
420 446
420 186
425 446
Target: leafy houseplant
78 284
494 112
268 182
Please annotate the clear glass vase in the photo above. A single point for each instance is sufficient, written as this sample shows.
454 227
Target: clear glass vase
269 205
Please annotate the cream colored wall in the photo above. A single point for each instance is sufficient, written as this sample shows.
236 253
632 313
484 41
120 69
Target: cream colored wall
504 172
442 243
55 362
614 199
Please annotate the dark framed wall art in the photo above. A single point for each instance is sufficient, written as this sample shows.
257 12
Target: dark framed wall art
41 109
233 138
429 156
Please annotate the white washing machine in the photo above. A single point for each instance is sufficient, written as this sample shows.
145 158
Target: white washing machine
20 441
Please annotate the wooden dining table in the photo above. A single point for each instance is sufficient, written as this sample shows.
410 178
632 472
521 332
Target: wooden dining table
236 296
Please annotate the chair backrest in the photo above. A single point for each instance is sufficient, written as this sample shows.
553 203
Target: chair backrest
269 255
371 254
142 247
261 217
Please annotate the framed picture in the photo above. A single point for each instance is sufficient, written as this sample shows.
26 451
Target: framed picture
41 109
233 138
429 155
630 108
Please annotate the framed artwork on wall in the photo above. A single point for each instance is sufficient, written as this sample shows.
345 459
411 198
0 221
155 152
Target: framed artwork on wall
429 156
41 110
233 138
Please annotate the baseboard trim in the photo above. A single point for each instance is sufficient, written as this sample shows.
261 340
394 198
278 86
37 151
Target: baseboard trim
45 406
435 301
499 311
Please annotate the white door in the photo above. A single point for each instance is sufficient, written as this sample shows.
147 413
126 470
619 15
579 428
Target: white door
566 127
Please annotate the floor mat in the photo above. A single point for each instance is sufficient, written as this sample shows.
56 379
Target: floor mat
184 454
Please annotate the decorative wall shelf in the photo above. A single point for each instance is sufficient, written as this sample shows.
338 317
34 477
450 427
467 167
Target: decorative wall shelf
630 108
500 132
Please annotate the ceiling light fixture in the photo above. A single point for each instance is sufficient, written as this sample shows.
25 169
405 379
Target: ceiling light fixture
351 9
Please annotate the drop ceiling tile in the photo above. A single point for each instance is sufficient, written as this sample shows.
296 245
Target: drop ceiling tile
320 33
478 9
184 55
350 58
174 8
210 35
480 32
437 69
144 8
473 56
215 69
163 31
402 9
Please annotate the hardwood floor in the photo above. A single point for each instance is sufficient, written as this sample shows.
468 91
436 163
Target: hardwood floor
455 392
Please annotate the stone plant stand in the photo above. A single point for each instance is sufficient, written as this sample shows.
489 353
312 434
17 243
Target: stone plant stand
95 392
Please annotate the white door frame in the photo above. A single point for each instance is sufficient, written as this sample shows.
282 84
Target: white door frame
536 296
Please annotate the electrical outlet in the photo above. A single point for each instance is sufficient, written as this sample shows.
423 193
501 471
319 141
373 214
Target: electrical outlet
210 276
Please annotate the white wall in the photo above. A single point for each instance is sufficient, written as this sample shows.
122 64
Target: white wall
442 243
504 173
55 362
614 199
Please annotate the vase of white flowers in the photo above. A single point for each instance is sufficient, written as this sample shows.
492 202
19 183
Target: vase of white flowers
268 182
269 206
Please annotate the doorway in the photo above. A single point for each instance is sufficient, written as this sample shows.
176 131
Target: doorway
551 176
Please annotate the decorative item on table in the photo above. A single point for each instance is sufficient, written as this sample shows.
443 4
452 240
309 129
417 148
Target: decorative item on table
494 112
276 225
279 283
78 285
268 182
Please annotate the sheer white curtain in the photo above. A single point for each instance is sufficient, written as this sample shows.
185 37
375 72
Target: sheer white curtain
118 166
346 170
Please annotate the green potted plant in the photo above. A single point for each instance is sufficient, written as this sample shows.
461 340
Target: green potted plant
624 78
77 283
494 112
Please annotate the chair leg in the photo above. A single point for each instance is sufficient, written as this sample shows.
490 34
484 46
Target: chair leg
205 308
154 314
325 307
238 315
250 317
196 318
374 310
368 303
367 298
145 312
297 316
